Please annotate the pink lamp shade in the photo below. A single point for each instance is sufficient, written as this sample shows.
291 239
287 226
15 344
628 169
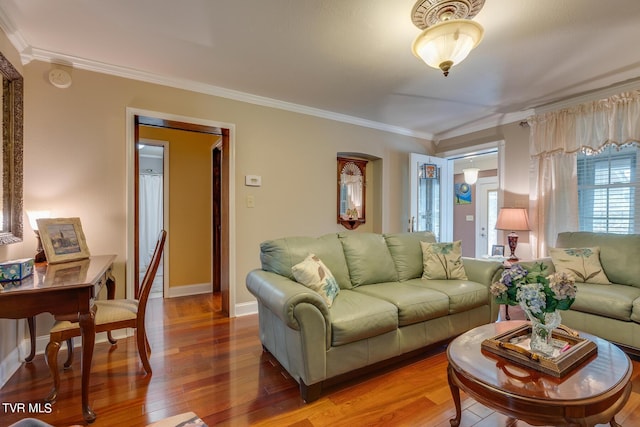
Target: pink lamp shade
513 219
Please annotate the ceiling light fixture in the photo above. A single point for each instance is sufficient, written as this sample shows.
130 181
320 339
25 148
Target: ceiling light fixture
448 33
470 175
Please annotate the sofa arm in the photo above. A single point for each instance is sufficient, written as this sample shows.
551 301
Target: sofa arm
281 295
482 271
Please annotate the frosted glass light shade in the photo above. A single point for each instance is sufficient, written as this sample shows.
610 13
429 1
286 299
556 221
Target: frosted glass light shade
447 43
470 175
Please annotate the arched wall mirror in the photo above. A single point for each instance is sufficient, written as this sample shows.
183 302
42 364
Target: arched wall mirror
12 119
351 192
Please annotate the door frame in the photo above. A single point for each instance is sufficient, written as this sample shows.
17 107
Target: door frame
229 217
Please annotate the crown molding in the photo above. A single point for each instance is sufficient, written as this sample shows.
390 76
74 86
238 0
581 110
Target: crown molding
29 54
590 96
14 36
489 122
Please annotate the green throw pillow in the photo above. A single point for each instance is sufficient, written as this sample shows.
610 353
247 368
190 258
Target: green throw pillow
583 263
315 275
443 260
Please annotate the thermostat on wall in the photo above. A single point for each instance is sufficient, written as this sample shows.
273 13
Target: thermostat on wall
253 180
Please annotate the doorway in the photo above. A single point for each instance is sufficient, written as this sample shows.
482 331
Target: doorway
486 215
223 234
478 201
152 201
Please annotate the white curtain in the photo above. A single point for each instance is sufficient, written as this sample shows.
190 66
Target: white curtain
151 221
555 140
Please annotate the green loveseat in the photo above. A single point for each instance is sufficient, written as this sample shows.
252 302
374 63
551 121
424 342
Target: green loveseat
610 311
383 309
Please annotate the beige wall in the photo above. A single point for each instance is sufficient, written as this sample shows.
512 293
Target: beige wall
514 174
75 165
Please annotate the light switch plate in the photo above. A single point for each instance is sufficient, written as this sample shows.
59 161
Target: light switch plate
469 217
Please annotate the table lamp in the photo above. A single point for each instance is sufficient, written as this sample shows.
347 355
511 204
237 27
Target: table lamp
513 219
33 216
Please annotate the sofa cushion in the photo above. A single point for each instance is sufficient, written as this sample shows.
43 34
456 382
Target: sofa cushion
415 304
368 258
463 294
443 260
278 256
582 263
406 252
618 253
315 275
614 301
356 316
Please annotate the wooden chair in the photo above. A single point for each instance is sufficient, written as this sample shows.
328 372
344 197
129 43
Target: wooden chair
110 315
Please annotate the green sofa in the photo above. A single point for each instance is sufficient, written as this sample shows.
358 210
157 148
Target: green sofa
610 311
383 310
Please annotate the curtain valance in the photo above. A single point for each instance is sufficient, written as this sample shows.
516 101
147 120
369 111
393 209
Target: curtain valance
589 126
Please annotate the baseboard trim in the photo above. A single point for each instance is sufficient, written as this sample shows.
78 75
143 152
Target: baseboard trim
10 365
183 291
246 308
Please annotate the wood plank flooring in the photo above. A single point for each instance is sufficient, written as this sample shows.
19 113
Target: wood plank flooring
215 367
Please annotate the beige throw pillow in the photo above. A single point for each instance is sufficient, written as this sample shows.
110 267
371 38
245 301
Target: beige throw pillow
583 263
315 275
443 260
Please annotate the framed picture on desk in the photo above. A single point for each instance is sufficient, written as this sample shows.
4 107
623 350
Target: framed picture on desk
63 239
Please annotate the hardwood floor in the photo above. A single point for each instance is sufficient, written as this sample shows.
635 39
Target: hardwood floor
215 367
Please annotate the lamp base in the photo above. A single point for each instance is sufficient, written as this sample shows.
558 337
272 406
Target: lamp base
40 255
512 238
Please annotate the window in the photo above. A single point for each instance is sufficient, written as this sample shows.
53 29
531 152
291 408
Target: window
609 190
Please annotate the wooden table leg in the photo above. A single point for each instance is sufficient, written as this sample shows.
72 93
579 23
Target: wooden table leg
88 331
51 353
455 393
111 294
32 334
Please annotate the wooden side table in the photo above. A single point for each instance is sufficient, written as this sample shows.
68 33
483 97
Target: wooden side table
592 393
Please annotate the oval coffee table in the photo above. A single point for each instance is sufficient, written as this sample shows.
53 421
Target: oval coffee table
590 394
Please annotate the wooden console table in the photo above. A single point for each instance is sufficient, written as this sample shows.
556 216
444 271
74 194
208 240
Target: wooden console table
67 291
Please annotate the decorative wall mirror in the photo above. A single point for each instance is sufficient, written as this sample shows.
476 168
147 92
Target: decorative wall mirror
12 117
351 192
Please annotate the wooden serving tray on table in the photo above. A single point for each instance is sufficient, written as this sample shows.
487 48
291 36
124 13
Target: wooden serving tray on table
571 350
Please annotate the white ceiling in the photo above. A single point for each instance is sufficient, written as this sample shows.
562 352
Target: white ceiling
349 60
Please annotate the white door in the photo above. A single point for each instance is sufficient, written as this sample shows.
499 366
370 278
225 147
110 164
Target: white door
431 195
486 215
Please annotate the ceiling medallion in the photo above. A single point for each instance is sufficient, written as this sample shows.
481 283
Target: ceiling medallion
448 33
429 12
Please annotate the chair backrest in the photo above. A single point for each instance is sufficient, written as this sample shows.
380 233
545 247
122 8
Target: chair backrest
150 275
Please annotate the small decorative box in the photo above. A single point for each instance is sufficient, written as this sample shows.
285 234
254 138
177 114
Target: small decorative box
16 269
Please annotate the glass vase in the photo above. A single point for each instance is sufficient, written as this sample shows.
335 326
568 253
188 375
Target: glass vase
541 332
